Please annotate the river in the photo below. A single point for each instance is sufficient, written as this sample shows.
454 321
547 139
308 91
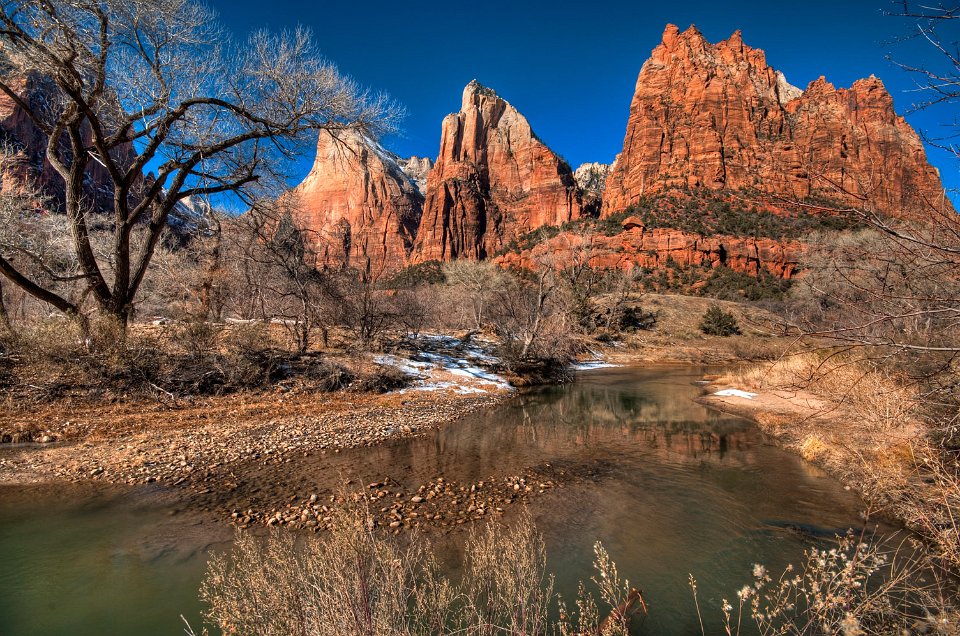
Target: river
673 487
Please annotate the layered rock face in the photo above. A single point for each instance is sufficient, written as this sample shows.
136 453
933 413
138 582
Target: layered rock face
591 178
493 181
358 206
718 116
417 168
656 248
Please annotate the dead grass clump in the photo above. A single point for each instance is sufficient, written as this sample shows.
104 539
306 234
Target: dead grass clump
381 379
357 581
55 360
859 587
872 395
813 448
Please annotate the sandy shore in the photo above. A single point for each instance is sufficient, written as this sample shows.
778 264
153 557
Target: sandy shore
880 465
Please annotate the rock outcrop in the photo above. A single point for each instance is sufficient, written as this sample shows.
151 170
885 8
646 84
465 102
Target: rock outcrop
661 248
417 168
29 145
493 181
592 179
357 205
718 116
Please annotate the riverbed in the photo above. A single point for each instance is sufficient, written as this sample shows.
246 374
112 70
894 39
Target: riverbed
670 486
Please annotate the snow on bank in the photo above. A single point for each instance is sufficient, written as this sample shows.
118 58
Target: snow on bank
586 365
735 393
444 363
596 362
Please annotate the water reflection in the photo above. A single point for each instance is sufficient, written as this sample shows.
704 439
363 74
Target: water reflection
682 489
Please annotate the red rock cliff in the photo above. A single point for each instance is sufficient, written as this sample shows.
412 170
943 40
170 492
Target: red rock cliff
493 181
358 206
718 116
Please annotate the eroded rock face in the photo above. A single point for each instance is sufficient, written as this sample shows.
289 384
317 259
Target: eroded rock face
417 168
660 248
357 205
592 179
718 116
493 181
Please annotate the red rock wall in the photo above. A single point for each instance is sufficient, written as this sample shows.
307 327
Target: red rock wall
718 116
493 181
654 249
358 207
19 131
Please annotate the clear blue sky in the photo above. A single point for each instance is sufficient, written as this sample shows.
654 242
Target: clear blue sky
570 67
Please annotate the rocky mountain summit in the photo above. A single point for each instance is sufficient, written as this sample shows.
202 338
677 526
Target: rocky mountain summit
717 116
357 205
417 168
493 181
704 118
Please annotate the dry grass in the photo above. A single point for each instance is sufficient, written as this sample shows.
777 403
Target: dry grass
869 429
869 395
857 588
356 581
676 335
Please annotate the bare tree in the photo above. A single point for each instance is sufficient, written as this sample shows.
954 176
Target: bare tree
937 77
479 280
138 83
282 270
897 287
529 316
366 308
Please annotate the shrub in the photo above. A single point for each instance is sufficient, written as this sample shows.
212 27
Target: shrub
428 273
382 380
357 581
856 587
717 322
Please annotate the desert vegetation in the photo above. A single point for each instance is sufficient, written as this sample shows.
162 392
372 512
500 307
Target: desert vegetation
197 281
354 581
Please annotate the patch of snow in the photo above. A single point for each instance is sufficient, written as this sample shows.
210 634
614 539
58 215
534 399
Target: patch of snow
443 386
736 393
592 364
462 361
412 367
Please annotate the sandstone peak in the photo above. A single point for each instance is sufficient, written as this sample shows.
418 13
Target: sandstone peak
359 206
474 92
493 181
735 41
417 169
592 177
786 92
718 116
670 35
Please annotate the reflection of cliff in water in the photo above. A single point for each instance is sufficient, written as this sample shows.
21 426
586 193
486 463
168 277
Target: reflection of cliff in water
621 418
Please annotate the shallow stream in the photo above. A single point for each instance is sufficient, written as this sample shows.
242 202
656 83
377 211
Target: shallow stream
676 488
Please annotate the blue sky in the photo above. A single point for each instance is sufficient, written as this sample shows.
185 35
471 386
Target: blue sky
570 67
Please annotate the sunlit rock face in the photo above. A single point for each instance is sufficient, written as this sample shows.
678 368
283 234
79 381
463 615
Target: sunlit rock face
718 116
417 168
358 207
493 181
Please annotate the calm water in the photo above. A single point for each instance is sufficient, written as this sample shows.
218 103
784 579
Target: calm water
684 489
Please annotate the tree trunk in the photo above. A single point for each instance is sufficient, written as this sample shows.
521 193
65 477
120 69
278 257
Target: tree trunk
4 315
